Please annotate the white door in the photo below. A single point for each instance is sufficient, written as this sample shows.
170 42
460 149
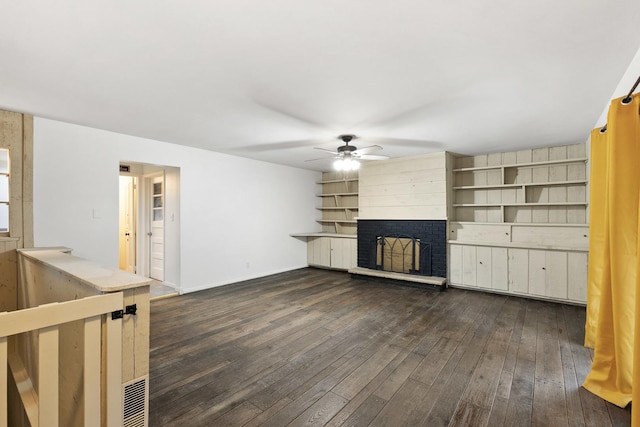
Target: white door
127 224
156 227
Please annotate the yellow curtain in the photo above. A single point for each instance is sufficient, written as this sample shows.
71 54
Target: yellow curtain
598 277
613 256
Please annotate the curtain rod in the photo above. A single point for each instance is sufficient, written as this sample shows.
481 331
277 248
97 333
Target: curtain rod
627 99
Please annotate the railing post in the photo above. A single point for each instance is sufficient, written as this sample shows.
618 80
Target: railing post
48 384
113 376
3 382
92 357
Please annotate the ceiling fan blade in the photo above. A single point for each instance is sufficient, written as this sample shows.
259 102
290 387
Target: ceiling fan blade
365 150
372 157
320 158
328 151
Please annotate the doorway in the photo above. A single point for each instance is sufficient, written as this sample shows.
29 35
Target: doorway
149 222
127 223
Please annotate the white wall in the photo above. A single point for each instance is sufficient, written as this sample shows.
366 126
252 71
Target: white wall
172 258
236 214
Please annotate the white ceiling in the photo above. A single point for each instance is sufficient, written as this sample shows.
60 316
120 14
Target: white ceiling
272 79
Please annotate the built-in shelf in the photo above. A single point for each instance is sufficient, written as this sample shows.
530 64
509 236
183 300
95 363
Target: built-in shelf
339 202
531 184
336 194
524 164
519 223
511 187
341 236
333 181
488 205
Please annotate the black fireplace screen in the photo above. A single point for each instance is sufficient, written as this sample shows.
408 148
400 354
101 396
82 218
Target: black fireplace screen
429 236
403 254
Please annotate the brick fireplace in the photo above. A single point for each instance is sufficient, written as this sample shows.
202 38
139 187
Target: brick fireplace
419 245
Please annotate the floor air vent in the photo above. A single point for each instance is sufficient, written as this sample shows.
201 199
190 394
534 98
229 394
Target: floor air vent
136 396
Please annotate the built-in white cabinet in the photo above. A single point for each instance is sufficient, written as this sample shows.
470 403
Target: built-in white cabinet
479 266
550 274
519 223
332 252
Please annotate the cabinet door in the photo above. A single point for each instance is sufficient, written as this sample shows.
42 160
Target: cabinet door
455 264
556 275
577 276
518 270
537 272
318 251
469 265
499 271
483 272
343 253
548 273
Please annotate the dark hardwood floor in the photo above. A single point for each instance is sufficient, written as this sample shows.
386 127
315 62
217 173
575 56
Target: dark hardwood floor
315 347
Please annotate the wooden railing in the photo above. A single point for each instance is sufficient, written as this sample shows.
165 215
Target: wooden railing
40 400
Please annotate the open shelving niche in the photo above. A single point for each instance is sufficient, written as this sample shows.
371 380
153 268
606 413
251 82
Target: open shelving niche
339 202
545 191
519 222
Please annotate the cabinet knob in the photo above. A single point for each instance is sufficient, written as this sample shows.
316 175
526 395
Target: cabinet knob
543 268
480 262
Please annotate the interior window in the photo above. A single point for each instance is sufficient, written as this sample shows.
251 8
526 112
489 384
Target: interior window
4 190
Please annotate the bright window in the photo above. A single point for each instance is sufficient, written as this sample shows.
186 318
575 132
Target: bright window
4 190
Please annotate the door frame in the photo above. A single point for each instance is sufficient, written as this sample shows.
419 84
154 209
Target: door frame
145 172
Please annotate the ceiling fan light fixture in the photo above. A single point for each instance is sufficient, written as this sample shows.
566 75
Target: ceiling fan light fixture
346 164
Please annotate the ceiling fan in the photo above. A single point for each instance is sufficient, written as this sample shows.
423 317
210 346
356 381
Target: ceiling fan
347 156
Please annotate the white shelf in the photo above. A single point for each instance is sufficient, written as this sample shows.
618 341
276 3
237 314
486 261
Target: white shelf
337 221
489 205
320 234
524 165
336 194
338 208
332 181
529 184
